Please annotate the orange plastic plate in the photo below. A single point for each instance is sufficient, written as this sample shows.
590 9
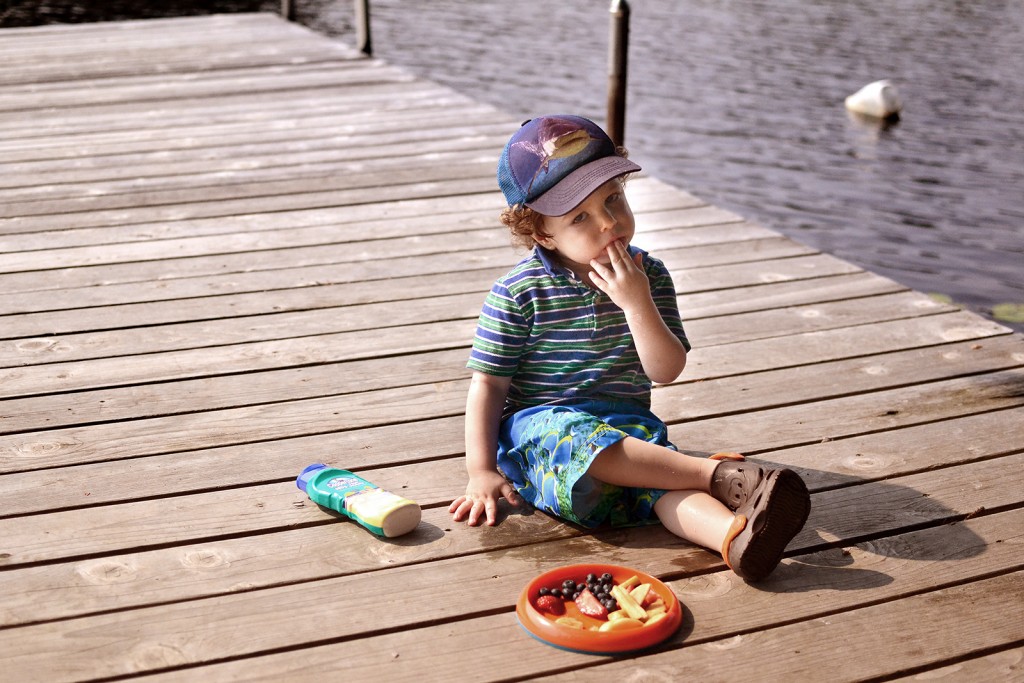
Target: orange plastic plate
543 626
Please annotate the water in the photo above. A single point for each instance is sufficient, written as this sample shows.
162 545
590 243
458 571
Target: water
741 103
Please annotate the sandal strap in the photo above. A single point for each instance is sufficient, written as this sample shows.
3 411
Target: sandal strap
739 523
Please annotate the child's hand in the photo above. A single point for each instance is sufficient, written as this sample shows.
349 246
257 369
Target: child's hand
624 281
481 498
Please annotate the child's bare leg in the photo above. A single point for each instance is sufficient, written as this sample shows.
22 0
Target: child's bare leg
746 512
637 463
695 516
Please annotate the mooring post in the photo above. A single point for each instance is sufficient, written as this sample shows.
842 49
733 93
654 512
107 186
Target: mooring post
363 43
287 10
618 50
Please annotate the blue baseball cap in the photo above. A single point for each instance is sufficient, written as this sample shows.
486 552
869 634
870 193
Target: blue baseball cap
552 163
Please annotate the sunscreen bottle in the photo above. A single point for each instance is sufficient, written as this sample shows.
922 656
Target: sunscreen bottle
380 511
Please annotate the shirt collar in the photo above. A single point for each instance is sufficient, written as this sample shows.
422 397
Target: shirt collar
547 259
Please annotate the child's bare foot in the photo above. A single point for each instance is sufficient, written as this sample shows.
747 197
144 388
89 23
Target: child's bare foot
771 514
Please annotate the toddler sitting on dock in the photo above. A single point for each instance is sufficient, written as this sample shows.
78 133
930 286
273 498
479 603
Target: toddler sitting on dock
567 345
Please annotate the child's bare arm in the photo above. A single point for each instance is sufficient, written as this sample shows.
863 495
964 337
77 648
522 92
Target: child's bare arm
484 405
661 353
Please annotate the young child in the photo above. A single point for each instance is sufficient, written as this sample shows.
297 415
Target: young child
566 348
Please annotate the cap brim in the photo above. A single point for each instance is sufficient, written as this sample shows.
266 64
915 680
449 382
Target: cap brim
575 187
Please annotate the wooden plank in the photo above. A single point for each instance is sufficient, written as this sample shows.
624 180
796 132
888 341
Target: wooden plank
186 26
65 409
456 183
269 160
160 50
279 79
845 417
854 577
240 206
156 576
151 116
126 283
713 398
198 356
381 219
342 298
440 480
708 430
301 202
933 638
363 176
1004 665
223 626
371 105
148 116
440 233
387 219
179 150
859 459
833 274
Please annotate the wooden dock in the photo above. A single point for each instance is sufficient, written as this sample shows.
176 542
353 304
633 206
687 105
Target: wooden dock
230 248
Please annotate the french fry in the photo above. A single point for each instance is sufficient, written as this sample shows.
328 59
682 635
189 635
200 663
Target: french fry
655 619
640 592
571 622
654 611
620 625
630 583
626 602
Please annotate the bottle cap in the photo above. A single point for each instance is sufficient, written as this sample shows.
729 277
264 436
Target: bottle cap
308 474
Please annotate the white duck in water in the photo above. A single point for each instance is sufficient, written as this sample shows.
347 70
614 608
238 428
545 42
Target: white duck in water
879 100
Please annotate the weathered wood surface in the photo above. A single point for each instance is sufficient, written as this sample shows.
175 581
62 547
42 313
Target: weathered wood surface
230 247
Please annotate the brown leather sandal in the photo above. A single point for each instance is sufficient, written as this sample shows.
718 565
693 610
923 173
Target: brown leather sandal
733 483
765 523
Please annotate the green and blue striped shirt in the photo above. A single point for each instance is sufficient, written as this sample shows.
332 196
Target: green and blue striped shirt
560 340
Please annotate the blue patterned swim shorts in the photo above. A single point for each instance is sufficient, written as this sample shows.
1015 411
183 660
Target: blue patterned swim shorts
545 452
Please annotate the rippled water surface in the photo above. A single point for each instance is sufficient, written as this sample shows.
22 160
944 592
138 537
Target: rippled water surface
741 102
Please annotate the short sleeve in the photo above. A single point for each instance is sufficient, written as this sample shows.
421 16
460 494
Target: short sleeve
663 290
501 334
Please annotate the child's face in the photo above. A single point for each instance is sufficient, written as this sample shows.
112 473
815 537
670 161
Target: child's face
585 233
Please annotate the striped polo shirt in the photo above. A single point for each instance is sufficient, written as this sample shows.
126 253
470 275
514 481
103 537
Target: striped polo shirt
560 340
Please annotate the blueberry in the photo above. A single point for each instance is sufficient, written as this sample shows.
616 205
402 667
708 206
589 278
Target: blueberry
606 577
568 583
591 578
544 590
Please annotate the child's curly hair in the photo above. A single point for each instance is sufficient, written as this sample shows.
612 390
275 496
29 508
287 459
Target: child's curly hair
526 225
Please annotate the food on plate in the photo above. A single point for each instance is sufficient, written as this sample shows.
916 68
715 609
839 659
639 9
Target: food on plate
551 605
619 606
570 622
621 625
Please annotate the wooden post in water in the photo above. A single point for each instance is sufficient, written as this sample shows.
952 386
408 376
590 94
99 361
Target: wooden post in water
362 22
363 43
618 50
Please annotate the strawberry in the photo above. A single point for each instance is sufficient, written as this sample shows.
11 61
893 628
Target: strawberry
590 605
550 604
